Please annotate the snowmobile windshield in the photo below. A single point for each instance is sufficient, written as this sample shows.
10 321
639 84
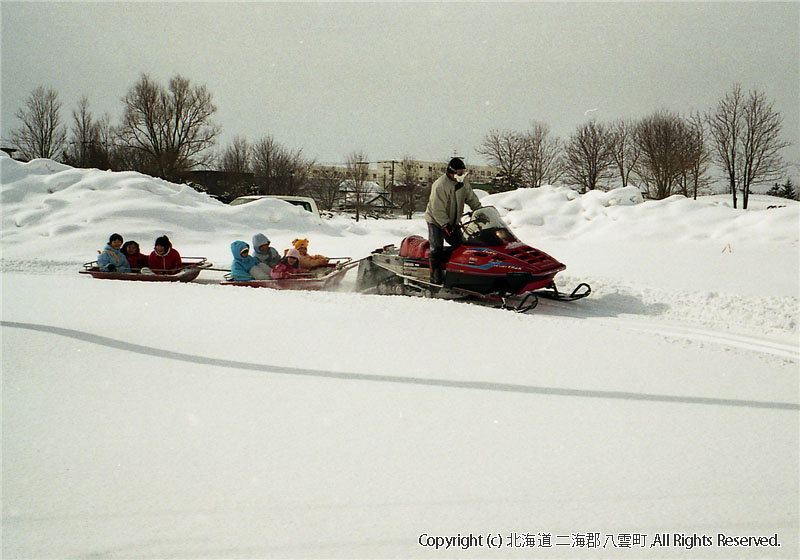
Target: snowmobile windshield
487 228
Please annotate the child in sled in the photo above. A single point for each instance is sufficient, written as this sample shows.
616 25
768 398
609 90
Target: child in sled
263 252
288 267
245 267
111 259
136 260
164 259
308 262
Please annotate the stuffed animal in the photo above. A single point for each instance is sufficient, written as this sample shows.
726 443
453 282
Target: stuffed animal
308 262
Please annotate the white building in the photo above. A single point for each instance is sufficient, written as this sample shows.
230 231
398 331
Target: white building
382 172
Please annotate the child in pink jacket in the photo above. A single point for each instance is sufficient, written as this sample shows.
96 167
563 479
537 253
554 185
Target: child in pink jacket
289 265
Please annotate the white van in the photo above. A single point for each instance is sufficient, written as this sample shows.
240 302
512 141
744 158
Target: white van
304 202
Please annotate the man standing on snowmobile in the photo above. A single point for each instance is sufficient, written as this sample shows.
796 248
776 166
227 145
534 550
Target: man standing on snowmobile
443 214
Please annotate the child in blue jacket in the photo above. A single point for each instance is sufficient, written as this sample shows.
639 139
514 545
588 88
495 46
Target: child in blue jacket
245 267
263 252
111 258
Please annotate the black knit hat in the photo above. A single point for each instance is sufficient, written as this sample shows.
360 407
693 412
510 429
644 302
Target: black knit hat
456 164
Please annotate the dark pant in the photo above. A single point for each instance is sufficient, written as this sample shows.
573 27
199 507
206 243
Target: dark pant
437 237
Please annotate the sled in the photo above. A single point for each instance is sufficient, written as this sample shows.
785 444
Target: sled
192 266
326 277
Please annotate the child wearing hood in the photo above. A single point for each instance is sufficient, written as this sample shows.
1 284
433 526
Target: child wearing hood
164 259
111 258
307 262
246 267
136 259
289 265
263 252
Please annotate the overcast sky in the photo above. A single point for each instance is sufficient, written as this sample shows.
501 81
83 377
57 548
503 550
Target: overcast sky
393 79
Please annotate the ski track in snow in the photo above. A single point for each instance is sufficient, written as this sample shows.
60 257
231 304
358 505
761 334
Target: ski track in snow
448 383
715 318
746 343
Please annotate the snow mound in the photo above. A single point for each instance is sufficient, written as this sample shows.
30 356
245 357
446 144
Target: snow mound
624 214
78 208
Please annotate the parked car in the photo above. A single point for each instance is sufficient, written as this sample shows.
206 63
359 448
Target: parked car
304 202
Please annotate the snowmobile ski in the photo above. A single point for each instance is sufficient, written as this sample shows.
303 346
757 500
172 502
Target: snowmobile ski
551 292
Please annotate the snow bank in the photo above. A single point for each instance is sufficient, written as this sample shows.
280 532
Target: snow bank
54 211
623 214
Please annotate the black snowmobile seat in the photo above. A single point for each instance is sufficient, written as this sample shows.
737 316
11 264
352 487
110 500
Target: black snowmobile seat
415 247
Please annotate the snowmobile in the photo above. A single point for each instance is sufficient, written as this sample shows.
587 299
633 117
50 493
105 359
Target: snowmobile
492 265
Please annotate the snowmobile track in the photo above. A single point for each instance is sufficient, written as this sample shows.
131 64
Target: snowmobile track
696 333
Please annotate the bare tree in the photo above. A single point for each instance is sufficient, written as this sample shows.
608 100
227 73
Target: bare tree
170 128
760 160
106 135
127 158
103 146
746 133
81 135
357 172
279 170
588 156
235 162
624 150
267 157
695 175
408 188
41 135
505 150
236 157
666 145
726 123
89 142
543 163
326 187
297 182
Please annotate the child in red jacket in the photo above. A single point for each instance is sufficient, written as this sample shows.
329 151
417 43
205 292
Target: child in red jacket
136 259
164 259
289 265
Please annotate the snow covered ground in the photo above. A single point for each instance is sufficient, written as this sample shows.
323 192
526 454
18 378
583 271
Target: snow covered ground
203 421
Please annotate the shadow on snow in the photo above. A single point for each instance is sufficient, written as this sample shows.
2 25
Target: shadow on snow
421 381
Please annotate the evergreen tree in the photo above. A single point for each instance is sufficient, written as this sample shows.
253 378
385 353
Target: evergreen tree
785 190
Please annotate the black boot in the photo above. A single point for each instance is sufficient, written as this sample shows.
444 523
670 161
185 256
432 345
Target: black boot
436 261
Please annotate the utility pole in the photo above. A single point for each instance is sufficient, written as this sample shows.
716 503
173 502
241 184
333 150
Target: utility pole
391 175
391 192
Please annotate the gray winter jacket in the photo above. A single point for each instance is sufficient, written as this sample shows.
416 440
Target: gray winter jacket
446 203
271 258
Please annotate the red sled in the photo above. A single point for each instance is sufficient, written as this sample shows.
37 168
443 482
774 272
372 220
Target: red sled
192 266
326 277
